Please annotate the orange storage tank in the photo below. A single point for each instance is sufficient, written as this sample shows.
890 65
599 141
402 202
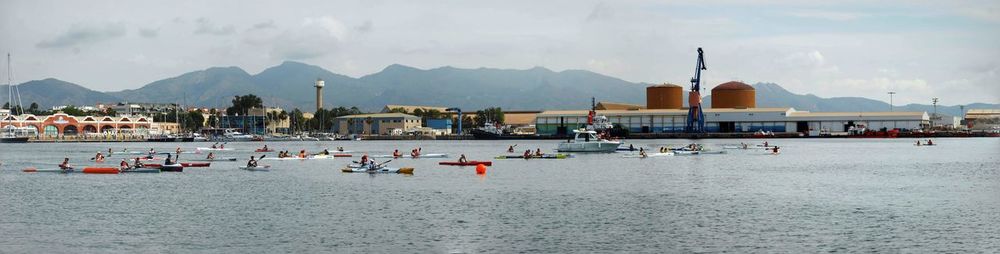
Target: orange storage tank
100 170
665 96
734 94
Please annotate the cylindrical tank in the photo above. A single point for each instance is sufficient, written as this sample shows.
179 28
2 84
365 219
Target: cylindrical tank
734 94
665 96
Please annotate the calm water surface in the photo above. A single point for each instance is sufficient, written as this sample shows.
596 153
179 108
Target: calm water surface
819 195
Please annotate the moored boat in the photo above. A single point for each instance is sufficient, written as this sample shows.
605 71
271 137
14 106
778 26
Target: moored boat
588 141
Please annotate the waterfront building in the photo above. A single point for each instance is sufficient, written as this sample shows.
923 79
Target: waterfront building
983 119
61 124
376 124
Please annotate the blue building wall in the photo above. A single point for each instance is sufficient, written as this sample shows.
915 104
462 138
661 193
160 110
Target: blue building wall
439 124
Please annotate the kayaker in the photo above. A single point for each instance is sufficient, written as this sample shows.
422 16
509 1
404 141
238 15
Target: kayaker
99 157
538 152
325 152
211 156
642 152
396 153
918 142
215 145
765 143
124 165
527 154
462 159
109 150
930 143
414 153
510 149
178 151
364 159
265 148
302 153
138 164
775 150
167 161
65 164
252 163
151 153
631 148
340 148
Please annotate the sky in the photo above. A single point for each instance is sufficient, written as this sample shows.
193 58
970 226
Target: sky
919 49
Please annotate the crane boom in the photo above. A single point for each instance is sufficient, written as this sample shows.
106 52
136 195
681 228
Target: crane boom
696 118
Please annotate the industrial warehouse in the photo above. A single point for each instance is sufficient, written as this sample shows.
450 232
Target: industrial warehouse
733 110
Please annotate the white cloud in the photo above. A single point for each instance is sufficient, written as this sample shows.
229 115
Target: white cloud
828 15
80 34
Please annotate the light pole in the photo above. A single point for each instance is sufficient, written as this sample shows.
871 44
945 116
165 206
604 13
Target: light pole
890 100
934 101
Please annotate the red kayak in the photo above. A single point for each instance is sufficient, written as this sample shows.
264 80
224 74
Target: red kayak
259 150
183 164
341 155
468 163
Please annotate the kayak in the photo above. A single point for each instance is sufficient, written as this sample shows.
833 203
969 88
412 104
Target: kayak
213 149
355 168
142 170
172 168
97 170
468 163
47 170
324 156
263 150
648 155
286 158
429 155
183 164
544 156
698 152
257 168
748 147
216 159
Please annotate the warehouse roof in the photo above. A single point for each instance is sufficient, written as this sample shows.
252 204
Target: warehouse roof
606 105
411 108
380 115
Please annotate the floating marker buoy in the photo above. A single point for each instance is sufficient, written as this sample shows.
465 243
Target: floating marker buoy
480 169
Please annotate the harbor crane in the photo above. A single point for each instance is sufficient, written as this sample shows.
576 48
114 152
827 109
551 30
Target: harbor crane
696 118
459 117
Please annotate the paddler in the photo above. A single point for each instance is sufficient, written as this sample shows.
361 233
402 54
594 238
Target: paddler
538 152
124 165
211 156
415 153
178 151
265 148
642 152
396 153
631 148
930 143
775 149
99 157
302 153
252 163
527 154
215 145
918 142
167 161
462 159
222 146
510 149
151 153
340 148
765 143
65 164
364 160
138 164
325 152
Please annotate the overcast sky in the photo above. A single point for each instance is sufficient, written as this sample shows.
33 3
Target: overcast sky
920 49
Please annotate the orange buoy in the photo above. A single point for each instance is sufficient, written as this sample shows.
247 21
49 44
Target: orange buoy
100 171
480 169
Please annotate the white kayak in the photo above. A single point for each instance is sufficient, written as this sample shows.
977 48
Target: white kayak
213 149
648 155
747 148
47 170
257 168
295 158
698 152
429 155
356 168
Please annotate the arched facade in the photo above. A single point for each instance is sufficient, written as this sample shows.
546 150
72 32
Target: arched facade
60 124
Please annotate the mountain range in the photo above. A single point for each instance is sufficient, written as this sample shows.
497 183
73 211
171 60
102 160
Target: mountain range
290 85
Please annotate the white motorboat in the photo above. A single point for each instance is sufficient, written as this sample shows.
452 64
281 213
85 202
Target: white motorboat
587 141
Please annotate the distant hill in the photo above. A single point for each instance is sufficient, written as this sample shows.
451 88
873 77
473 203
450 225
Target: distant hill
53 92
290 85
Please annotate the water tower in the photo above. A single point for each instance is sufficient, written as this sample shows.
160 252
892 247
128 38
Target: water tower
319 94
